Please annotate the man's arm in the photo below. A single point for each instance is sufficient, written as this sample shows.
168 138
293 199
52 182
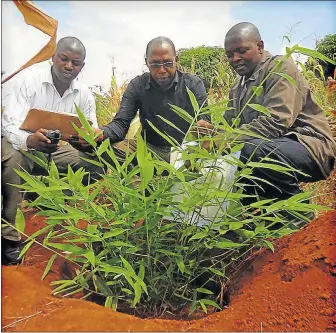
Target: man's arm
117 129
16 109
283 100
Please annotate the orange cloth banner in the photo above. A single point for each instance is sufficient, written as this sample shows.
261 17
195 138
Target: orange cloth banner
35 17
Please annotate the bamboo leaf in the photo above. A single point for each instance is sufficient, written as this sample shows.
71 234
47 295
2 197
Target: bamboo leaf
211 303
269 245
182 113
260 108
257 90
26 248
169 139
114 232
84 121
203 306
227 244
91 257
288 77
67 247
216 271
312 53
49 264
199 235
170 123
19 221
108 302
193 100
180 264
204 291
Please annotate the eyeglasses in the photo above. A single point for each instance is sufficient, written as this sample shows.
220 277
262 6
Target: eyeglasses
166 65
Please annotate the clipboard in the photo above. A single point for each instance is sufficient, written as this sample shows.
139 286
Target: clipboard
51 120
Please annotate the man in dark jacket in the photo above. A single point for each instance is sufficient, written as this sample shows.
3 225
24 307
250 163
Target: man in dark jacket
151 94
297 127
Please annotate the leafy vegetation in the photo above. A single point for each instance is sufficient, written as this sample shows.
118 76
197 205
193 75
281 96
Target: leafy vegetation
211 65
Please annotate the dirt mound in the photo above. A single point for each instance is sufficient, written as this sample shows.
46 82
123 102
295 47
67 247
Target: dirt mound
290 290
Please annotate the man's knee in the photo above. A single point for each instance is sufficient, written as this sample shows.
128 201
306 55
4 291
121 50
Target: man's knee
14 159
252 150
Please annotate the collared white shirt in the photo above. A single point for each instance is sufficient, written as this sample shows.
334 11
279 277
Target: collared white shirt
35 89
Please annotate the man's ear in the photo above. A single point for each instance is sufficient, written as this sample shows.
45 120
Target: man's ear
83 65
52 58
260 45
146 61
176 59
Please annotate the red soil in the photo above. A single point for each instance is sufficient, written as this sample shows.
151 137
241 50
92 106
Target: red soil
290 290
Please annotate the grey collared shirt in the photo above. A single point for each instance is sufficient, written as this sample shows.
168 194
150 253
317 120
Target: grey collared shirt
144 96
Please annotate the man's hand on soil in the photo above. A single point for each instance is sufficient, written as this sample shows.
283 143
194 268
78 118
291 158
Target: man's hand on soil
40 142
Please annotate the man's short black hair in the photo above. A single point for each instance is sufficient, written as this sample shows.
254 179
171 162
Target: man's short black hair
72 43
158 41
244 30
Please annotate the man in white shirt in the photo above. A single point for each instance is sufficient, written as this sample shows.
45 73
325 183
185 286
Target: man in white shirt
54 89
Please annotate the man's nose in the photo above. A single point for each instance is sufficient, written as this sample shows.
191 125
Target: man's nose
162 69
236 57
69 66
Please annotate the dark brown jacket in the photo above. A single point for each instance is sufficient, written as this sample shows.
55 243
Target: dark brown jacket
293 110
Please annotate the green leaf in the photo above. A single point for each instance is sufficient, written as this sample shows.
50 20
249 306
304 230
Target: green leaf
193 100
84 121
137 293
67 247
92 161
37 160
103 147
91 257
235 225
170 123
212 303
85 136
257 90
227 244
101 285
40 232
245 233
169 139
20 221
261 203
53 171
180 264
108 302
128 266
182 113
203 306
204 291
120 243
312 53
141 274
49 264
288 77
216 271
26 248
199 235
114 232
260 108
269 245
